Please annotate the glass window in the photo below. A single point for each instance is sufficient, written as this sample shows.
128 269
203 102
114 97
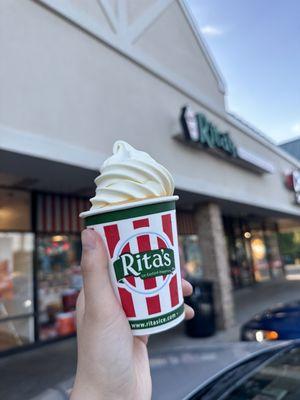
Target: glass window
16 282
16 289
259 255
190 254
289 243
239 252
277 379
15 210
59 283
271 240
16 332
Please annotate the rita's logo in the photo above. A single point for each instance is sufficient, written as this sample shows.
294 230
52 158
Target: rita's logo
143 257
198 129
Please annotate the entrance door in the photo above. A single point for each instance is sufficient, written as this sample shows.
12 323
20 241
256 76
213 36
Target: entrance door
238 252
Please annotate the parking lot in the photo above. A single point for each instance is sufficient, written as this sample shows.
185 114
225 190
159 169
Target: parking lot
34 371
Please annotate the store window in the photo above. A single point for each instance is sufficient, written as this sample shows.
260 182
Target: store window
190 254
59 283
260 256
289 243
273 252
239 251
16 289
15 210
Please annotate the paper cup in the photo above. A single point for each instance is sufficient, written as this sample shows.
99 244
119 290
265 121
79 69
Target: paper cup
142 244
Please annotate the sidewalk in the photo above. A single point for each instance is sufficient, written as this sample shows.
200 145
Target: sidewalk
27 374
248 302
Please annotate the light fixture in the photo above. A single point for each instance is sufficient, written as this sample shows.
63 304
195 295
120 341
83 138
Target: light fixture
58 238
27 303
247 235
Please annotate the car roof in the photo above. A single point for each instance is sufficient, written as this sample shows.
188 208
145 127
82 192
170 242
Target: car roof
269 348
178 371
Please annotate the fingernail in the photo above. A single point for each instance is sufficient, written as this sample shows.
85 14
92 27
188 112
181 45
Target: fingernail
88 239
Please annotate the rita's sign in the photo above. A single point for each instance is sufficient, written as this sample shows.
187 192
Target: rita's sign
200 133
292 182
198 129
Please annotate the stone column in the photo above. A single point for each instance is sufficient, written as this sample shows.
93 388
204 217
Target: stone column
215 261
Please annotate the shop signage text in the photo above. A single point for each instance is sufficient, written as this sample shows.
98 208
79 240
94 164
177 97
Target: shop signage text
198 129
292 182
202 134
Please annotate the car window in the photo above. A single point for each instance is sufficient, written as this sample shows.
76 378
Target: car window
275 377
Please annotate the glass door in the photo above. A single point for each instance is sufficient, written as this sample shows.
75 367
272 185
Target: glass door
238 252
190 257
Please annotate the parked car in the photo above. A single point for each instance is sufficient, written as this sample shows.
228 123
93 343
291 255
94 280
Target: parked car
281 322
177 371
271 374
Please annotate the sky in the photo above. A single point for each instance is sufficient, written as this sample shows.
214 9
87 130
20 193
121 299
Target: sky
256 46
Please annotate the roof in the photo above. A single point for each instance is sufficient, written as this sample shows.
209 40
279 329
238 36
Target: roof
295 139
204 47
292 147
261 137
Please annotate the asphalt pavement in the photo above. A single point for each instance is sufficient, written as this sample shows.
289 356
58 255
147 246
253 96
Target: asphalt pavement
50 369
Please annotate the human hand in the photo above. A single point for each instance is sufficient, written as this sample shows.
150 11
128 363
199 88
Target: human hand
112 363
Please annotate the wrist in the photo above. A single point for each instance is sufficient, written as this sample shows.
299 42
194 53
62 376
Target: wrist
86 390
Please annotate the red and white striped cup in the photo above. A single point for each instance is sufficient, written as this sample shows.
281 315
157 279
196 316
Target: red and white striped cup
142 244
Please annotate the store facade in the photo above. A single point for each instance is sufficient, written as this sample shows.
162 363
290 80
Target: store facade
93 73
39 266
40 275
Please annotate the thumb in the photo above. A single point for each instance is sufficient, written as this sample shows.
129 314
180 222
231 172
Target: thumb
98 292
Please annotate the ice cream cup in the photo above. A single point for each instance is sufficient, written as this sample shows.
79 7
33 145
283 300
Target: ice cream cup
142 244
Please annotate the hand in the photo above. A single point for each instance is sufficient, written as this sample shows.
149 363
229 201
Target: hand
112 363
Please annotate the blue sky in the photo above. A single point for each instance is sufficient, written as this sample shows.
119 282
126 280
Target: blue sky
256 45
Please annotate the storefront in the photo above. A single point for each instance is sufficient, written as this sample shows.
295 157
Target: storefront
40 255
140 72
253 249
40 275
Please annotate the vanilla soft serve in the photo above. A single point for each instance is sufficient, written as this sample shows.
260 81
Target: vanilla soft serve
130 175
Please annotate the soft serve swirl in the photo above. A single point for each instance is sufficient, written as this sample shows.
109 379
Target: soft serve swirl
130 175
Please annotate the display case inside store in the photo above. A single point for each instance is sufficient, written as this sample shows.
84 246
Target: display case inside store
59 283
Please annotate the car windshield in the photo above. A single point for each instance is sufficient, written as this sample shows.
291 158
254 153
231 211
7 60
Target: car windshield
276 377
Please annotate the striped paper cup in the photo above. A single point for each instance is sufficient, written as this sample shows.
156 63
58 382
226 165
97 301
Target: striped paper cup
141 240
